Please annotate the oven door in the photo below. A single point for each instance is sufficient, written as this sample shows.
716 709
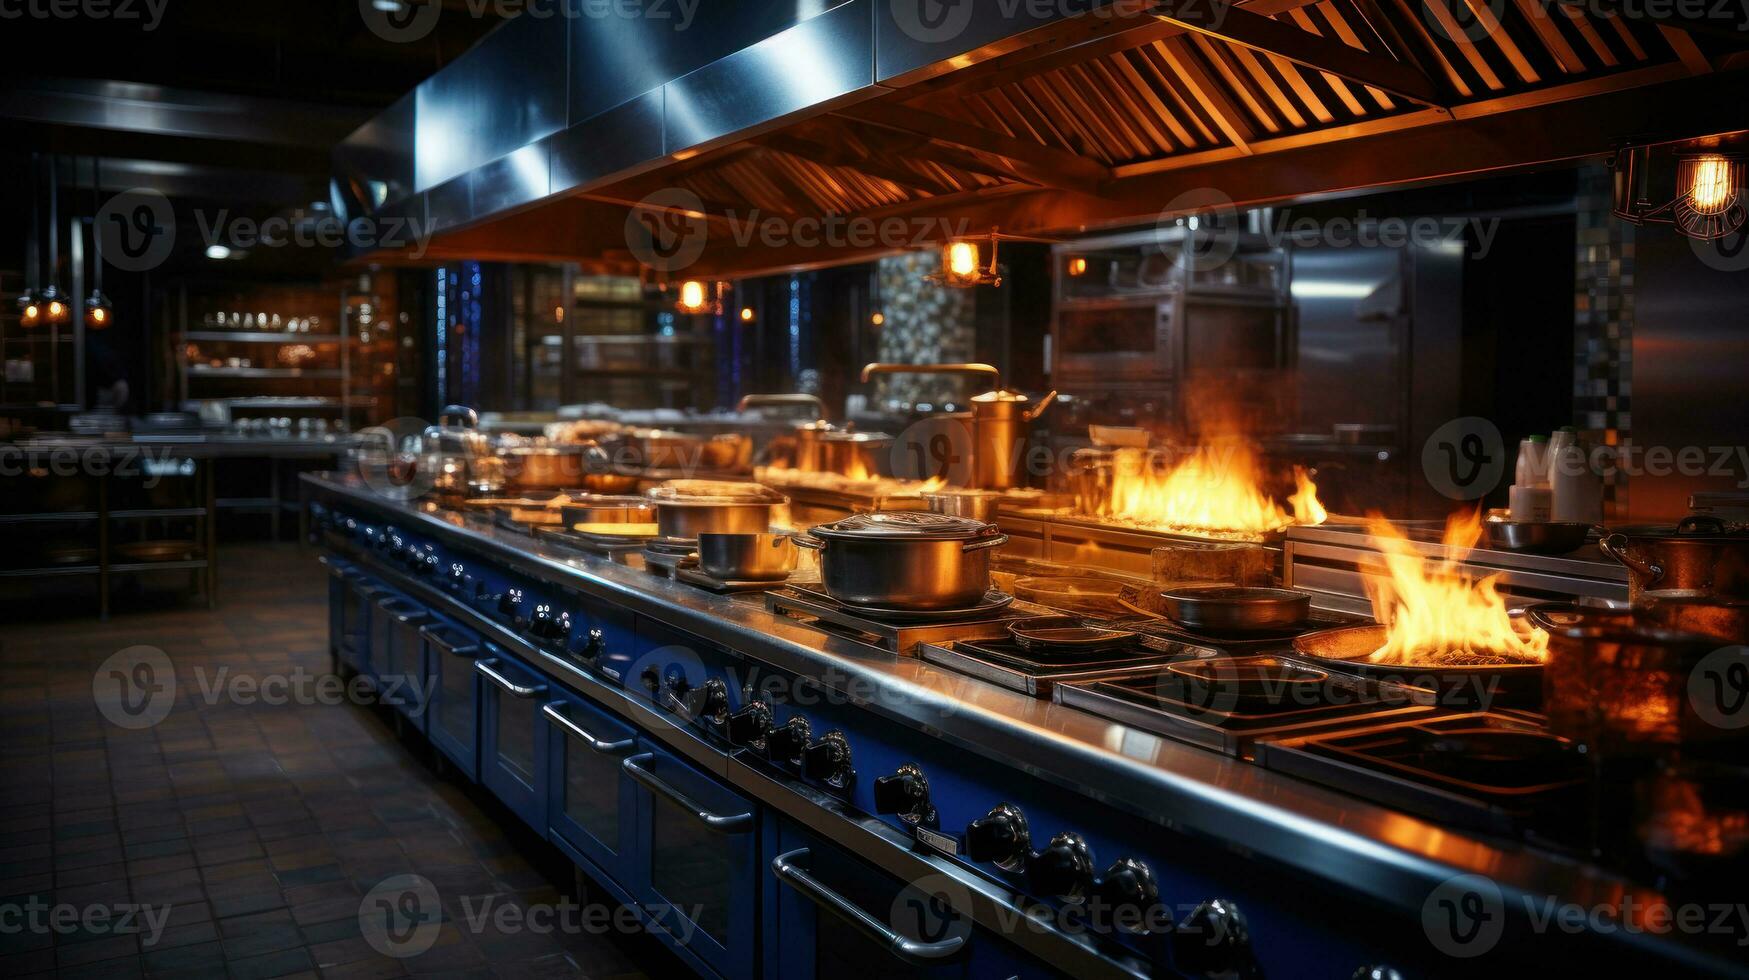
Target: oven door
835 915
400 661
513 735
356 602
1116 342
452 711
698 850
591 801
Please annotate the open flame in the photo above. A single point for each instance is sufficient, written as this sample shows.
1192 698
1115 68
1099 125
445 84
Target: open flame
1436 614
1216 490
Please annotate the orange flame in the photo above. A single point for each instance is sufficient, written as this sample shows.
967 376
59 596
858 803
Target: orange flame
1216 490
1437 614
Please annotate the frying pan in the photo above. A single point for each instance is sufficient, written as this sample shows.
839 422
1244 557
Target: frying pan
1536 537
1236 609
1064 634
1479 685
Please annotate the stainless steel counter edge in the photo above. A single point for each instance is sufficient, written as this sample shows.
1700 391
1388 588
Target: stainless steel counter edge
1357 845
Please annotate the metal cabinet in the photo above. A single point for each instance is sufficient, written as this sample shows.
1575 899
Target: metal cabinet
833 915
512 730
357 600
697 875
452 687
397 652
591 800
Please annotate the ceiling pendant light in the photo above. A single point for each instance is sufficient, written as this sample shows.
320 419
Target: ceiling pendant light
55 307
1701 196
98 311
693 297
29 311
962 266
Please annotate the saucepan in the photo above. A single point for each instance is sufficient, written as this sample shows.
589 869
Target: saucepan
738 557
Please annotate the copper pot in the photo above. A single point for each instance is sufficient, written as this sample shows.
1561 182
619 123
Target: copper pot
1620 684
684 452
860 454
1699 555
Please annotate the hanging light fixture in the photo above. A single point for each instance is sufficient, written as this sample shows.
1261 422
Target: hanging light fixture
694 298
1704 199
962 265
29 310
53 300
98 311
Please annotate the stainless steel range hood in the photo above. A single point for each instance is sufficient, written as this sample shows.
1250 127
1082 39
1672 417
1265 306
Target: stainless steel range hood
1033 118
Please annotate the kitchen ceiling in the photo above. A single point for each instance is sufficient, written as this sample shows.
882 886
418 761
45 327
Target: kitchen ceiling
1099 120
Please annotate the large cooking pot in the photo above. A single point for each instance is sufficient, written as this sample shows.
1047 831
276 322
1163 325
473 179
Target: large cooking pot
859 454
1699 554
905 559
1621 684
805 434
999 420
661 449
569 467
687 508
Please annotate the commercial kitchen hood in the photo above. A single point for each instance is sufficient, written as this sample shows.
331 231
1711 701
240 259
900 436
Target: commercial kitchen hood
1035 118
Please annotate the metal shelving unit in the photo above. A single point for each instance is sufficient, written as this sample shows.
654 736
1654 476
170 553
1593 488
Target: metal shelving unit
205 542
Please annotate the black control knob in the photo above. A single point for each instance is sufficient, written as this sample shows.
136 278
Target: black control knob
593 646
1127 899
785 742
548 626
749 725
1377 973
708 701
426 565
651 678
1000 837
1213 940
458 578
828 760
1063 870
510 604
905 794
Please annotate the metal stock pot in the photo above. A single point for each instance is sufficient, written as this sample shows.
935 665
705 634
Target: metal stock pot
905 559
686 508
1700 555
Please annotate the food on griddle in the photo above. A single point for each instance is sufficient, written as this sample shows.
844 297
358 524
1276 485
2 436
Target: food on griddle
1436 614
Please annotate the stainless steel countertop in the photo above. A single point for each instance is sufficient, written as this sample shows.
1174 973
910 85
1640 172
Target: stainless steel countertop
1380 852
195 444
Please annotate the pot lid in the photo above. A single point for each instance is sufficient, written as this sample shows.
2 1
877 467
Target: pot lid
858 437
1002 395
715 492
1688 529
909 525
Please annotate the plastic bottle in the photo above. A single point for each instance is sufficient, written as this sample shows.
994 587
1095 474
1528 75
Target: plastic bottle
1576 491
1530 496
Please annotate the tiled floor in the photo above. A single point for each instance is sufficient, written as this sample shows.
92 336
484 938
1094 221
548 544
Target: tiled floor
254 828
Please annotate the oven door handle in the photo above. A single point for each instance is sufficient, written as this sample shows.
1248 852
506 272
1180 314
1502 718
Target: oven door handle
738 823
510 686
787 867
436 636
577 731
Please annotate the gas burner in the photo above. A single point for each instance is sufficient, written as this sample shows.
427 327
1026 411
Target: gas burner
1230 703
1495 771
1038 671
616 548
1235 643
902 632
693 575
